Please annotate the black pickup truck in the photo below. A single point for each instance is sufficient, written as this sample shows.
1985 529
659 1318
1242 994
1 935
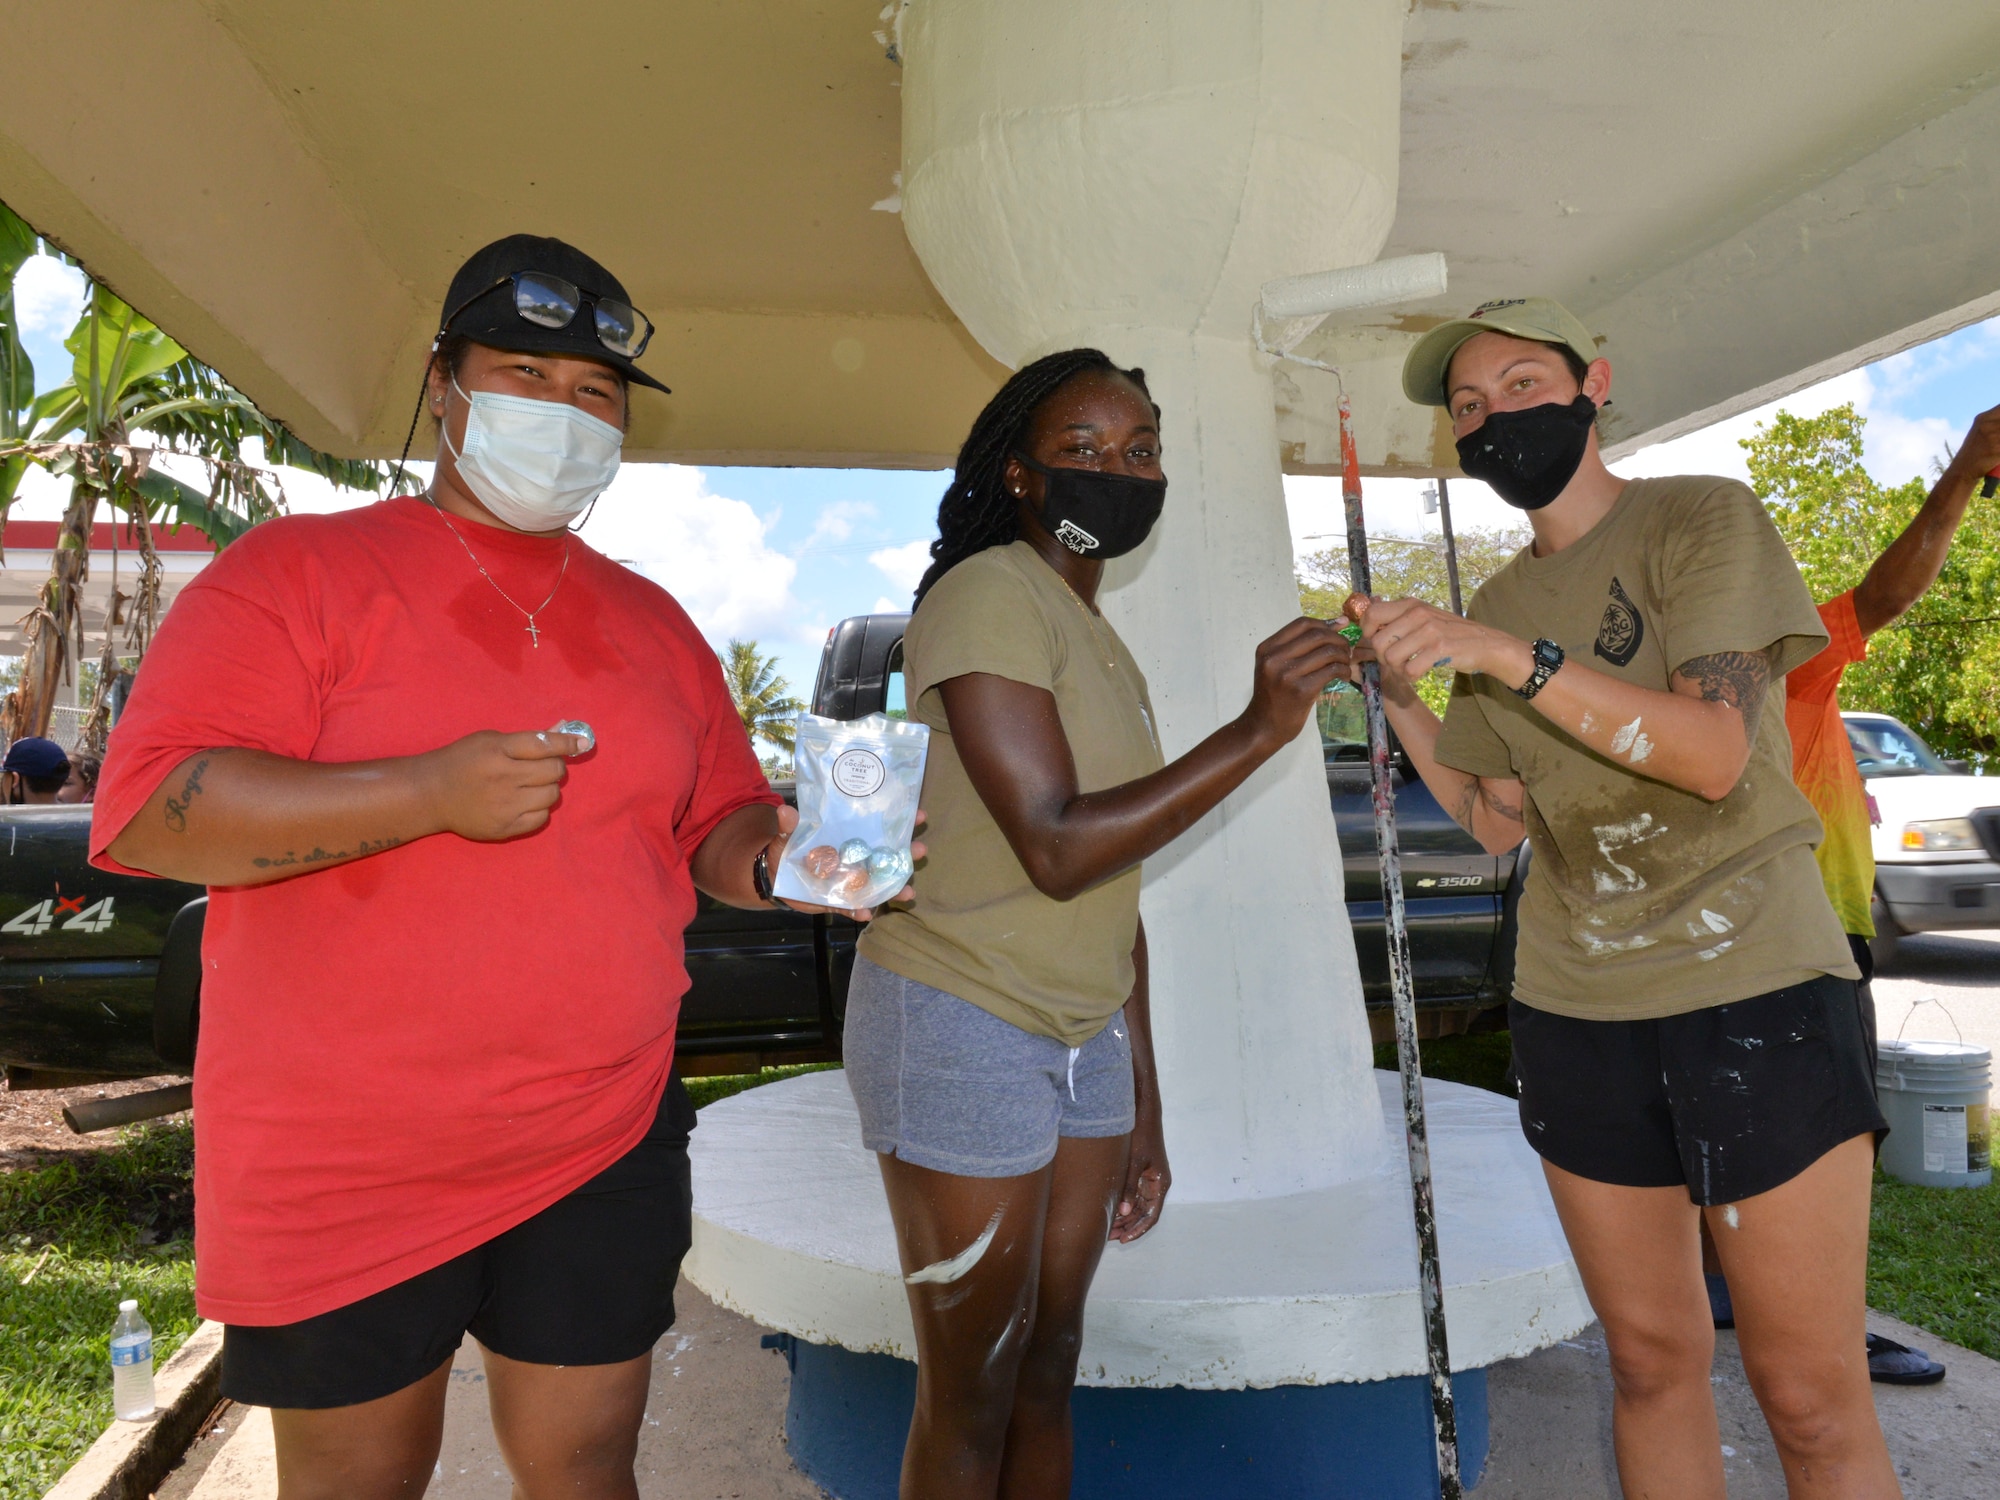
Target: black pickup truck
100 975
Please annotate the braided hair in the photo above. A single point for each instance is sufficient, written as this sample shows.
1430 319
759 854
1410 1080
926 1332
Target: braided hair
978 511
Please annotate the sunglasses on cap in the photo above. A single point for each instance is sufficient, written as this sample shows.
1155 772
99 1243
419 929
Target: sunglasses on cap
551 302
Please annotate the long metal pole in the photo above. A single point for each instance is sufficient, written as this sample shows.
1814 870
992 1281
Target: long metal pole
1450 545
1416 1134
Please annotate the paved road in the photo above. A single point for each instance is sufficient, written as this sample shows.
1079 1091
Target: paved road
1939 979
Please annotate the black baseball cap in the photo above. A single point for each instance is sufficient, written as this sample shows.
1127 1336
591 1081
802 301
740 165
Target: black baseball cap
480 305
32 755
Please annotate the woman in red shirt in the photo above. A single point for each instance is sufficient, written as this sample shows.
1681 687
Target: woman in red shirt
443 957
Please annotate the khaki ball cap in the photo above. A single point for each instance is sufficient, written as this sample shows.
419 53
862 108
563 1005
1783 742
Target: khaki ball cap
1542 319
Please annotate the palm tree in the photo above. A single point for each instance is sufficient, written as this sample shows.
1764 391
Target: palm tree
763 699
129 383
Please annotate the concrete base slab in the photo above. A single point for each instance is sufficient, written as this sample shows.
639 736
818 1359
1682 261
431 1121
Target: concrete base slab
1551 1421
791 1228
246 1467
715 1425
714 1429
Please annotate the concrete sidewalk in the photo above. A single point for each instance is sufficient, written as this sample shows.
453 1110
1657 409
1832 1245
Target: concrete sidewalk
715 1426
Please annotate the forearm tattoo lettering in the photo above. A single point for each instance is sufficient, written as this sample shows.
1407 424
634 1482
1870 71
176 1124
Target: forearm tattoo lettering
178 804
1740 679
320 856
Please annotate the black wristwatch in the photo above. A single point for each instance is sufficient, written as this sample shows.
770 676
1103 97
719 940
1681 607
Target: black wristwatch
1548 658
760 876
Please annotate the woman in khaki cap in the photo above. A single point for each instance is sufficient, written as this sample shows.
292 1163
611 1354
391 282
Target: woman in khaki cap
1685 1023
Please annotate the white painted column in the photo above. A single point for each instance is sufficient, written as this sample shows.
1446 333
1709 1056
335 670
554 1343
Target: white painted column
1127 173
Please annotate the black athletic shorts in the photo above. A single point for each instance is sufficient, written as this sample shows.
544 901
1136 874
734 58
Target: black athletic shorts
1730 1101
587 1281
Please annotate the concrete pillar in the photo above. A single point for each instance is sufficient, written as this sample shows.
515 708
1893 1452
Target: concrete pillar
1127 173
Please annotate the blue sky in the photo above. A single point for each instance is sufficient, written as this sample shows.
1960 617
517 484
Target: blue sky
781 555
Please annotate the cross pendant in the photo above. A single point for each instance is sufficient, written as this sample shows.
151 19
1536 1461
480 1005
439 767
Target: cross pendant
534 635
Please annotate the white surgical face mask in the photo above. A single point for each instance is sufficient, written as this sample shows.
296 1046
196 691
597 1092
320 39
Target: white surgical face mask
535 464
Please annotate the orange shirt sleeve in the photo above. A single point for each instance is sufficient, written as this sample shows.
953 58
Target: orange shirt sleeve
1817 680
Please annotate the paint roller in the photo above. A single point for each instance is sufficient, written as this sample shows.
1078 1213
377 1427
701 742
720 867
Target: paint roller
1293 306
1296 305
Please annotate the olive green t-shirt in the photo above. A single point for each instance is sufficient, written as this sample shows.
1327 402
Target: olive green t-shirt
1643 900
979 929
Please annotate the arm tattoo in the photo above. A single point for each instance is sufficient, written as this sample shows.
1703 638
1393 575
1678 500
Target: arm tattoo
320 856
1476 791
177 806
1467 795
1738 678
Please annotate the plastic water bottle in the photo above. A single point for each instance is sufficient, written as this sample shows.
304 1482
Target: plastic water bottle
131 1364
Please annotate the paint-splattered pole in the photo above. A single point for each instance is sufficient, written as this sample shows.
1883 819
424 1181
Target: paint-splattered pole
1444 1416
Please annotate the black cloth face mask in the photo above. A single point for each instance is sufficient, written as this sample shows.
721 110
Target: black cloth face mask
1530 454
1094 514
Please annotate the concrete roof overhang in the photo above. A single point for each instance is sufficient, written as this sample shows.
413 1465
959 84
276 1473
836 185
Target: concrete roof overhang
1739 198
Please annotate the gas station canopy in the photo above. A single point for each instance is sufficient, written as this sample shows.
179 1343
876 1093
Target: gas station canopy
1740 199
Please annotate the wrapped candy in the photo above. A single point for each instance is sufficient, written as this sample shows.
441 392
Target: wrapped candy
581 730
858 782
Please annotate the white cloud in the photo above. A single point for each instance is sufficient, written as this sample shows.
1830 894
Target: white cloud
48 295
834 524
884 605
710 552
1895 448
903 565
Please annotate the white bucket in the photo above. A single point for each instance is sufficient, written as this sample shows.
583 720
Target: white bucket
1935 1096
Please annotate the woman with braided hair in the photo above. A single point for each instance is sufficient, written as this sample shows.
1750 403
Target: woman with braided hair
998 1041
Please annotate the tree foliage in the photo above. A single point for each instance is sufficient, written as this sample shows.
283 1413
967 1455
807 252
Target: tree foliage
1404 568
131 393
1938 668
763 699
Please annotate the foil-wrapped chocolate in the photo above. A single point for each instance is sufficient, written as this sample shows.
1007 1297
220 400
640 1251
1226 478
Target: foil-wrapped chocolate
822 862
581 730
855 852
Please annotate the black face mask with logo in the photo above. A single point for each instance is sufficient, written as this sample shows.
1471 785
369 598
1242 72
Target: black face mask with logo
1094 514
1529 455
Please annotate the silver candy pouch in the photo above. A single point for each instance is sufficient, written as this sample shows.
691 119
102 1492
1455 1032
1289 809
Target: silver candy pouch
858 781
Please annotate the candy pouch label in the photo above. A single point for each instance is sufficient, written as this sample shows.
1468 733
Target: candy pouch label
858 782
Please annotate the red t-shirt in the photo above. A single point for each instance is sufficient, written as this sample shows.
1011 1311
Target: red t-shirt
404 1056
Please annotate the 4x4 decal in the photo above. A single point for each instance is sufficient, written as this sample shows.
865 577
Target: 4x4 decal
95 916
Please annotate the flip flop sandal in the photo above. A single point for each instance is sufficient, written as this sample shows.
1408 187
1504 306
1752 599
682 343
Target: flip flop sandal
1719 1306
1892 1363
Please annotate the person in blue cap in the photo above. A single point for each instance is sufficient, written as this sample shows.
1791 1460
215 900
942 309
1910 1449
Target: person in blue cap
34 771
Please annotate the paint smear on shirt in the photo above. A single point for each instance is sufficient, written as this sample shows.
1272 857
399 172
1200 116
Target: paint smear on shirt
1622 878
945 1272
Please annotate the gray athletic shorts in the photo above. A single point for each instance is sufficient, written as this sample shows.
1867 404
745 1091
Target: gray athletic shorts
946 1085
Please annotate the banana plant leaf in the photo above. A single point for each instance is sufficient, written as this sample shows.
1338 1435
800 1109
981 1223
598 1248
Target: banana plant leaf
129 347
17 371
172 503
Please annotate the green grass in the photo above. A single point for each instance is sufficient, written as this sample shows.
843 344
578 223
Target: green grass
1934 1260
707 1090
117 1223
1480 1061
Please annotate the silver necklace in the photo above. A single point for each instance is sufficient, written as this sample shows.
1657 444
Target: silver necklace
534 631
1091 615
